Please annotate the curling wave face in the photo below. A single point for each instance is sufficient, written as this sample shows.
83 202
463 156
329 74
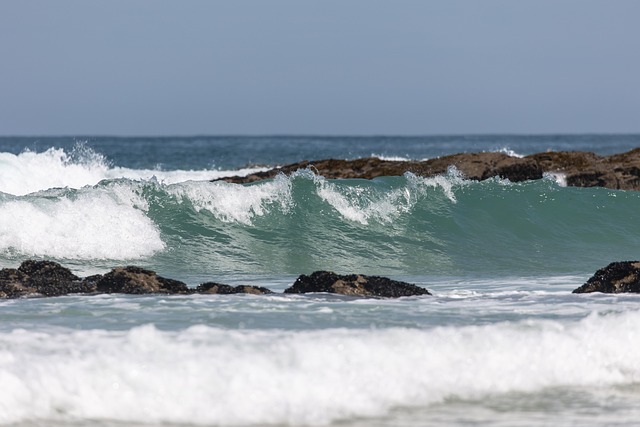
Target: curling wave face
392 225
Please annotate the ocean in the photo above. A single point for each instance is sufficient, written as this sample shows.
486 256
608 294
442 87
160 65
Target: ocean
502 341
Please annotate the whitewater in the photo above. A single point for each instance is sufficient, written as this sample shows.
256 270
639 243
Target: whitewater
502 341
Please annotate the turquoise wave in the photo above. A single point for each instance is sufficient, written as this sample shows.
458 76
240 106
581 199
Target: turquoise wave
400 225
444 226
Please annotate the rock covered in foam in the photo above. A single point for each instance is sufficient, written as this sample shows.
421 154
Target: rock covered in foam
217 288
137 280
355 285
615 278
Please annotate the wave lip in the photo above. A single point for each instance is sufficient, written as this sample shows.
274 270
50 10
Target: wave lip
30 172
93 223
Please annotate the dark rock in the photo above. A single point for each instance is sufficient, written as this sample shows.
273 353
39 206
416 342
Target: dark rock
581 169
13 284
217 288
40 278
618 171
354 284
136 280
617 277
477 166
50 278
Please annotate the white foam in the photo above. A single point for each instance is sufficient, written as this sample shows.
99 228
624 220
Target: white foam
360 204
96 223
29 171
210 376
233 202
391 158
509 152
559 177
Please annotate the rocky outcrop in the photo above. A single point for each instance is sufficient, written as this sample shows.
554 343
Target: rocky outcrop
217 288
13 284
40 278
617 277
51 279
477 166
47 278
354 284
619 171
581 169
136 280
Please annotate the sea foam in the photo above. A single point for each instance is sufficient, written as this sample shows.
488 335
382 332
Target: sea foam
233 202
102 223
204 375
362 204
30 171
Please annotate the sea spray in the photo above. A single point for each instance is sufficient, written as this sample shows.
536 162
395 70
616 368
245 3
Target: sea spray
104 222
30 171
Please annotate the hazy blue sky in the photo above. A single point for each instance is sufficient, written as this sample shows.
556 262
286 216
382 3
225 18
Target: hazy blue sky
319 67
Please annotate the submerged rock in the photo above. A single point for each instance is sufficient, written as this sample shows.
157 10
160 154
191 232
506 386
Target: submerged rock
617 277
217 288
137 280
354 284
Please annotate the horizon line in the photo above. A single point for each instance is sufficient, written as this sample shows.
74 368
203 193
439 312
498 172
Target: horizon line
320 135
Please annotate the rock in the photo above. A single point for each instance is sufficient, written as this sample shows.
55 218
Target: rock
617 277
581 169
136 280
51 279
618 171
13 284
477 166
217 288
354 284
40 278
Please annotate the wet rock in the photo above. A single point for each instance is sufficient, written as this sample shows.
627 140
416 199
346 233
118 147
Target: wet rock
51 279
217 288
137 280
617 277
477 166
581 169
354 284
40 278
618 171
13 284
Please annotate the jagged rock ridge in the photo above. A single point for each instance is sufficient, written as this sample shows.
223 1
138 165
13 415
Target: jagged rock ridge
581 169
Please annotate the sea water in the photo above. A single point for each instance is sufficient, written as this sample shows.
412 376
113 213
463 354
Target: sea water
502 341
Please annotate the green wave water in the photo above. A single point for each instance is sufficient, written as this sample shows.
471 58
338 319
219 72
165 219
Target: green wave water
409 225
405 225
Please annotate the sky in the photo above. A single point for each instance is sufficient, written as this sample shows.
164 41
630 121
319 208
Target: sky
330 67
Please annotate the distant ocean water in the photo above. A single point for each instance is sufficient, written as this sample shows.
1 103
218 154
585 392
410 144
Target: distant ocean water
502 342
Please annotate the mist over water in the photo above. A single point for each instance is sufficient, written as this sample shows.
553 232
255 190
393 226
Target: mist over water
502 341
